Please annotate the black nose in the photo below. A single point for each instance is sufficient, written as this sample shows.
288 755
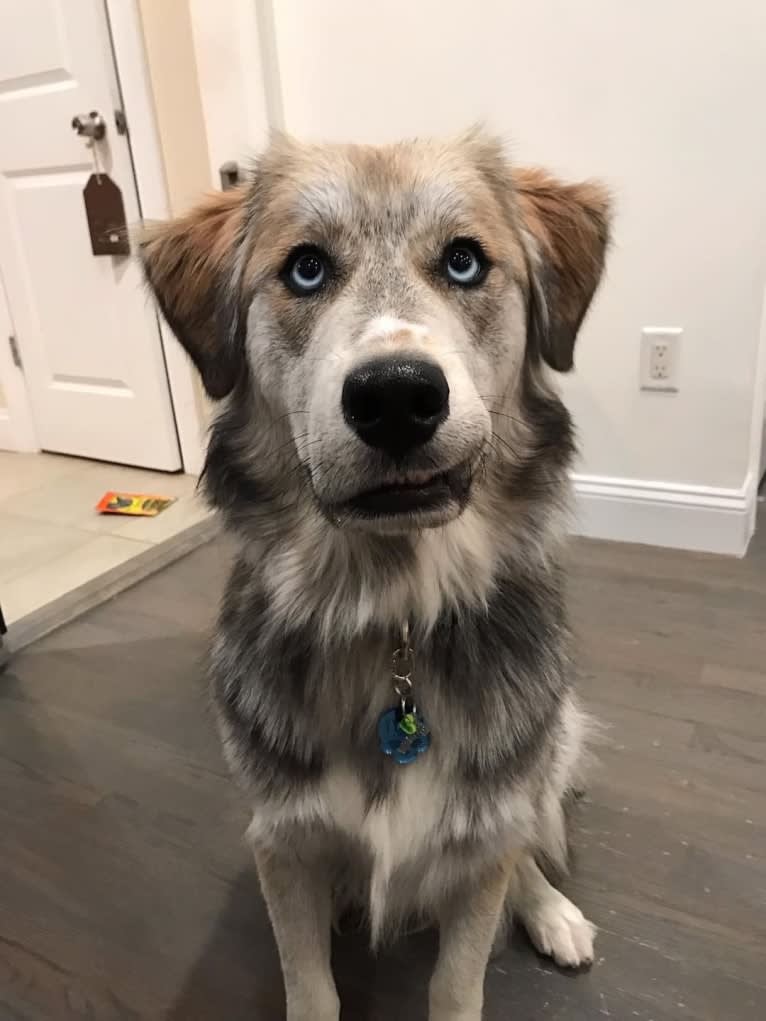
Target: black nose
395 403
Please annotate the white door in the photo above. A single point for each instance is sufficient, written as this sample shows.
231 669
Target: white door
88 336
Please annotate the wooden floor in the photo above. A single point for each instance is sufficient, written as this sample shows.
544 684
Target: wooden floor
126 891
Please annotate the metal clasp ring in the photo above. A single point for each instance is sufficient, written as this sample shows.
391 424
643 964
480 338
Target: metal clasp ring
403 662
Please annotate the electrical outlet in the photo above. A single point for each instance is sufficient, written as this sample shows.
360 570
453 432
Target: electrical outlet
661 358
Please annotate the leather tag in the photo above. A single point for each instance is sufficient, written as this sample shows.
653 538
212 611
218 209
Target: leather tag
105 211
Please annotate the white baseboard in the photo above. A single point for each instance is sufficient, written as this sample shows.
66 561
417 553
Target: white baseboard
702 518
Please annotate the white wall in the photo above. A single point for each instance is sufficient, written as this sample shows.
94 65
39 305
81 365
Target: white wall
664 100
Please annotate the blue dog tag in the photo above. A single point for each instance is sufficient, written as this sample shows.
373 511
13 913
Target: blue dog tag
403 734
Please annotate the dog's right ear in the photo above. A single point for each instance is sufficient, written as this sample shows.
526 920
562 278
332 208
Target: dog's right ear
570 225
193 266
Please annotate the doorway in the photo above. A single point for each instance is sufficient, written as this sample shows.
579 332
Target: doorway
93 394
81 335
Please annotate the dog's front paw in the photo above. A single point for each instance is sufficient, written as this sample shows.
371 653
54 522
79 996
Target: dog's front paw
435 1014
559 929
446 1006
309 1013
322 1006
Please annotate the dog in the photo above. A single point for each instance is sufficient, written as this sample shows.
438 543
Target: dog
390 669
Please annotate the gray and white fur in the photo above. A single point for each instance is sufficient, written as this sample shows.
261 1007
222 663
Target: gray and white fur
302 658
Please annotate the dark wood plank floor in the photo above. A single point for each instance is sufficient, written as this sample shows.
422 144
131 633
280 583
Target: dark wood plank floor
126 891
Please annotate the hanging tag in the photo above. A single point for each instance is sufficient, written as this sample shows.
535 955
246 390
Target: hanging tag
106 216
403 734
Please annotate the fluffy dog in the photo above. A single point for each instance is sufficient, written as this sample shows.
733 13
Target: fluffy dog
390 669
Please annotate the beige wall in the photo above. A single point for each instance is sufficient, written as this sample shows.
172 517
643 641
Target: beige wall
173 72
233 83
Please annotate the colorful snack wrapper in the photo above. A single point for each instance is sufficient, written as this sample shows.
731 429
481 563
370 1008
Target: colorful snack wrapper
141 504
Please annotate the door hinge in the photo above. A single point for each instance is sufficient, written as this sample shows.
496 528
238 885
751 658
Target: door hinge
15 353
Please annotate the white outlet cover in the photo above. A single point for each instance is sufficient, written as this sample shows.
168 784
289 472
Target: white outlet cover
670 335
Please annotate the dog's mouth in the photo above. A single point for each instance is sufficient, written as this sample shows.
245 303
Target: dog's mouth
415 493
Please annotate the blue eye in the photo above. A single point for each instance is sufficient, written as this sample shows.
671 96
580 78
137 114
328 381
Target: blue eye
464 263
305 272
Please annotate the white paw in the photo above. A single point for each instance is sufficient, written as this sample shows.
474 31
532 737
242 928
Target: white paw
559 929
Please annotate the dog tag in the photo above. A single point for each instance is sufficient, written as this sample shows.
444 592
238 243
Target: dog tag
403 734
105 211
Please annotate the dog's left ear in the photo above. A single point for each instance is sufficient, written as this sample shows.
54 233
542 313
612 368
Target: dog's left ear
569 224
193 266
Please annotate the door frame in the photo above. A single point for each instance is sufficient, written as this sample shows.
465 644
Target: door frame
758 423
17 429
124 20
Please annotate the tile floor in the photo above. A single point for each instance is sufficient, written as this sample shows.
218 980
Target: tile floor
53 542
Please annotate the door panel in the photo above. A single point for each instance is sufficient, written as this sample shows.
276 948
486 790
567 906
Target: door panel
43 58
89 338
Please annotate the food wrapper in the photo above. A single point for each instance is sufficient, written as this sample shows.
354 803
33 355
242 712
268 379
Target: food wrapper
141 504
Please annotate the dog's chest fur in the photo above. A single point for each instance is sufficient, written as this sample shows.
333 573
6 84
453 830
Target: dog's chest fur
401 834
299 715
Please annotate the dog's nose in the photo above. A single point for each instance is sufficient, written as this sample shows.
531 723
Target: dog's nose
395 404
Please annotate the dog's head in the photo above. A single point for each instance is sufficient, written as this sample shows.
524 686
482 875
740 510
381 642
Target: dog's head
390 305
